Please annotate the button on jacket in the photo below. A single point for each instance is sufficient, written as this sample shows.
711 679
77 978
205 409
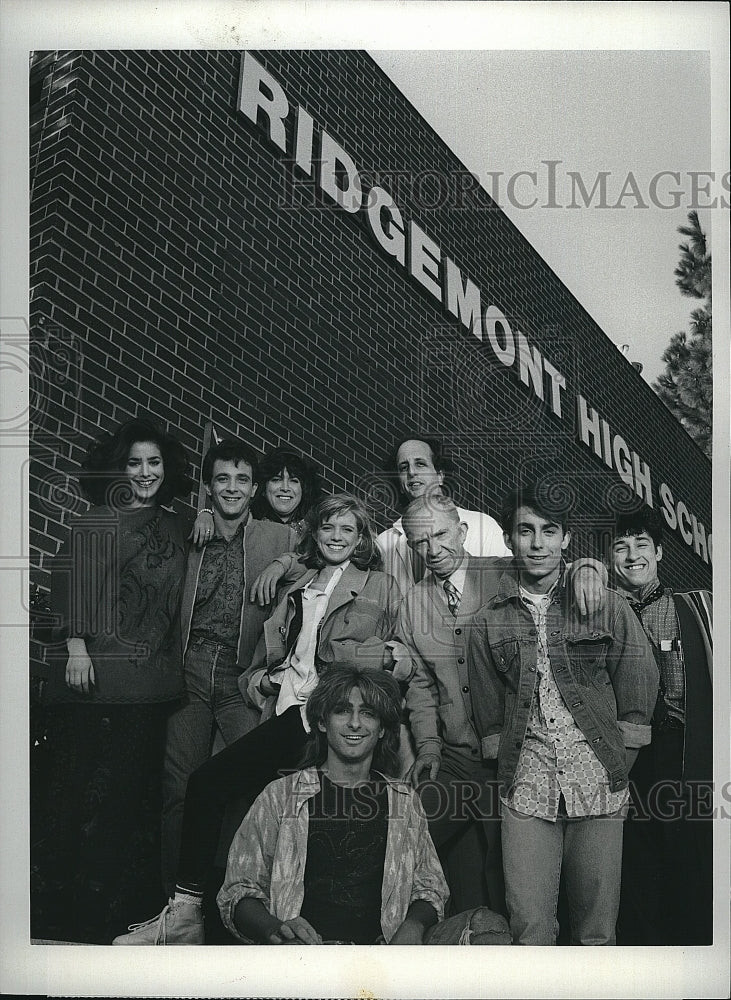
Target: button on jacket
438 696
602 664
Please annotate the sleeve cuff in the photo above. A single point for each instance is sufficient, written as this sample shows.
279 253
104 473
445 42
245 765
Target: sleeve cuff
594 564
227 907
429 745
433 898
635 735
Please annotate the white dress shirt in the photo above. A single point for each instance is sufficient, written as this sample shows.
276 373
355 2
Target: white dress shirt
300 674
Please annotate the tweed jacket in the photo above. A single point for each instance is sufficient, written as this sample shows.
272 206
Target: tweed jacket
438 696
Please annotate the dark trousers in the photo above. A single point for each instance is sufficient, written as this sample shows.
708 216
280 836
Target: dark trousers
667 864
462 808
242 770
87 826
94 833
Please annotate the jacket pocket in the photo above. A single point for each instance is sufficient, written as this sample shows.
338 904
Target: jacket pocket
588 656
362 619
505 653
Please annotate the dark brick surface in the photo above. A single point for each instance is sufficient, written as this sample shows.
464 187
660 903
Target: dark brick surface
165 261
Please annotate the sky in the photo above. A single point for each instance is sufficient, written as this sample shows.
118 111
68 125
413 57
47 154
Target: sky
622 112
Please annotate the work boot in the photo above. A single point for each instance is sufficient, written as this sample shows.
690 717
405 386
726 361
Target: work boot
179 923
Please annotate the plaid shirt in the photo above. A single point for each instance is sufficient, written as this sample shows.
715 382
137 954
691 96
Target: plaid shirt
656 611
269 853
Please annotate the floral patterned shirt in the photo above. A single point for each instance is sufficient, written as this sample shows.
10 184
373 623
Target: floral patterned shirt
556 757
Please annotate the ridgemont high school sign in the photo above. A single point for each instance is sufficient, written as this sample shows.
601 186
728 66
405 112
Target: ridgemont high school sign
317 155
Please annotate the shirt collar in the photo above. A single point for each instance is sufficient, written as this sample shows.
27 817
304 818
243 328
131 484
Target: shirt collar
309 591
457 578
307 783
528 597
644 594
239 529
509 585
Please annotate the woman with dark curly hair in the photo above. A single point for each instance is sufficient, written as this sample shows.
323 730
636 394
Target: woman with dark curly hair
341 611
116 662
289 486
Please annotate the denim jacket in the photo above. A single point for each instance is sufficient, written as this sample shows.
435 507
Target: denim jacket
603 666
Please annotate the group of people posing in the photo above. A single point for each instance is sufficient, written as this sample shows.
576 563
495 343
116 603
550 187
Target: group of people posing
419 735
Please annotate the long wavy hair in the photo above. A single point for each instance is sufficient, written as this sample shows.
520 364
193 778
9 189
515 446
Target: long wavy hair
366 556
273 464
103 479
379 691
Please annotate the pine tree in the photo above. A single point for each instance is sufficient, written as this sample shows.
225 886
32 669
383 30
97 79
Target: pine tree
686 386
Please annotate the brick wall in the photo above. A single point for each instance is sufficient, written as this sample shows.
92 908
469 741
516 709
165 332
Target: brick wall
177 272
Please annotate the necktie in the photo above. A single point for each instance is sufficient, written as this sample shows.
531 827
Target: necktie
417 566
452 596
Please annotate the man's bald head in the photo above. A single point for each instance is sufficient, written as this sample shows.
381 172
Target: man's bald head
429 504
434 530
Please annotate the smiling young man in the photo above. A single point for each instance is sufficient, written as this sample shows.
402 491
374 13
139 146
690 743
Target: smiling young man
667 883
340 852
220 629
435 619
563 703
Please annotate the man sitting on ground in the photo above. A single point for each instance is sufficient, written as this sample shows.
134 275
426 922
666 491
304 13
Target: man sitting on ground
340 851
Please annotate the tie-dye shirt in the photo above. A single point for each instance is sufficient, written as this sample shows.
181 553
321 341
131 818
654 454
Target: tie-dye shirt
269 853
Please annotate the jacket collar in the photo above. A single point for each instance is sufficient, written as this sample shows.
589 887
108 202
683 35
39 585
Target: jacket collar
348 587
509 585
306 784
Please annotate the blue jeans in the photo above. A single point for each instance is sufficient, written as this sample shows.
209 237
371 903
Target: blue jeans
534 852
212 702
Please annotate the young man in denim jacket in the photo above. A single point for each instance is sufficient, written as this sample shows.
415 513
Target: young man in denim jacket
563 703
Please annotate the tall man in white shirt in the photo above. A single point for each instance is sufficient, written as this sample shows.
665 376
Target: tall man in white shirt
421 467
